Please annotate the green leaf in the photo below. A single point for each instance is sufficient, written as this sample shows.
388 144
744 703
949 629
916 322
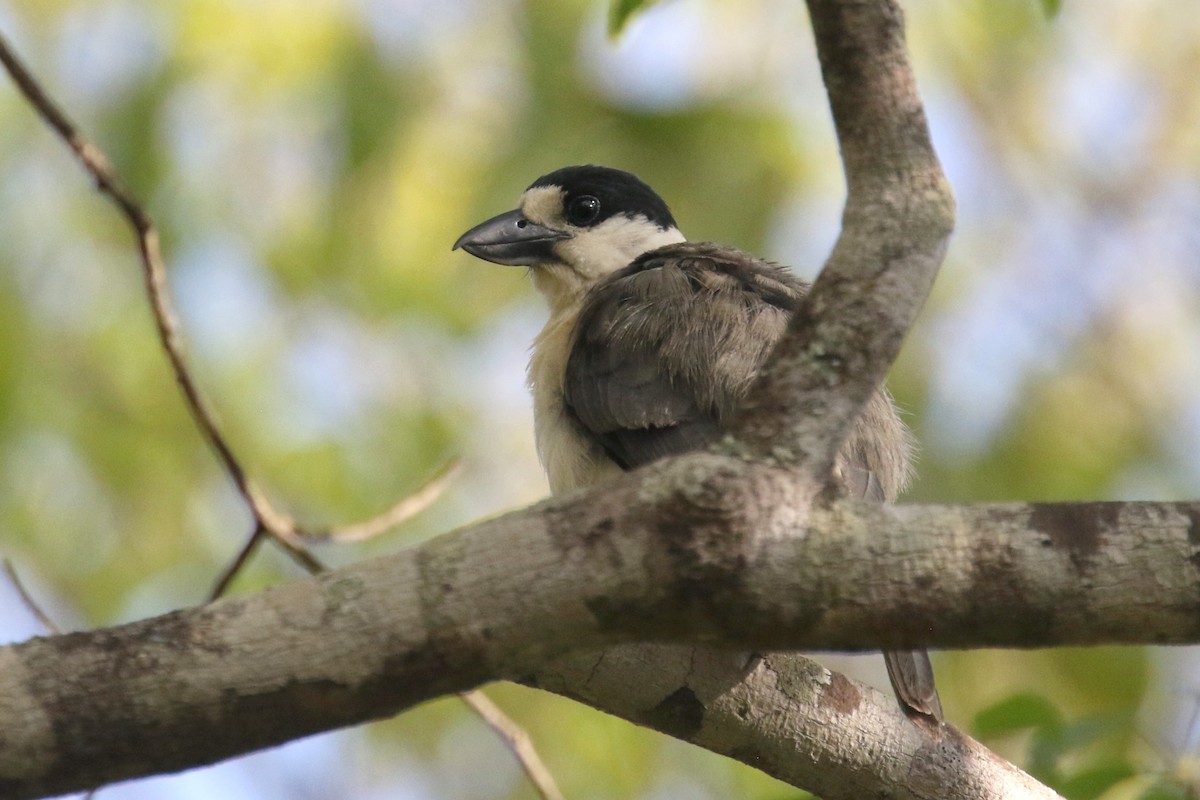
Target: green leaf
1091 783
1017 713
1051 8
619 13
1164 790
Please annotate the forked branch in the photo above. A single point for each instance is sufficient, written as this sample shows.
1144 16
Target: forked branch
898 216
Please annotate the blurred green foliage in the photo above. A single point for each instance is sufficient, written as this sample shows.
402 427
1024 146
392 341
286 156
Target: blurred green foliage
620 12
1103 739
310 165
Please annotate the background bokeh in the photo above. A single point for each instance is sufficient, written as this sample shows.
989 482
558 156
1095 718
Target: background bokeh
310 164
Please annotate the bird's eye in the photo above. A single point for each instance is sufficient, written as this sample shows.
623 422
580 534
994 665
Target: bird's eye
583 210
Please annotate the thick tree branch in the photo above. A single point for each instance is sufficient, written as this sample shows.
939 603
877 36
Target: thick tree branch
699 549
791 718
898 217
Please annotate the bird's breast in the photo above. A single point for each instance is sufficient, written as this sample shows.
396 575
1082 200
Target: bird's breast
570 457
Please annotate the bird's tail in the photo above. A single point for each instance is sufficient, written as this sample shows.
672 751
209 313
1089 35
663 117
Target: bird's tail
912 680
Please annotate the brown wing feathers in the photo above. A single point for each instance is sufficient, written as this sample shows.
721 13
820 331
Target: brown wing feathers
664 350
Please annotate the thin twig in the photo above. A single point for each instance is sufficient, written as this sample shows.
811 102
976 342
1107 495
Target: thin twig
231 571
269 521
517 740
96 163
26 598
409 507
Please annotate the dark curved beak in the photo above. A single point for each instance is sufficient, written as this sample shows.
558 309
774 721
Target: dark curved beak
511 239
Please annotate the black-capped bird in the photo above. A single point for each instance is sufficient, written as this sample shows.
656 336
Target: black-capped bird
653 340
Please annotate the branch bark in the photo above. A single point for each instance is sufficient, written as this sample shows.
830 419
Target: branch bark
791 718
675 554
897 220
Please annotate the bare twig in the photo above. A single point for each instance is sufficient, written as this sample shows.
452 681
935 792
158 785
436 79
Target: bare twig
409 507
269 521
517 740
405 509
278 525
239 561
42 617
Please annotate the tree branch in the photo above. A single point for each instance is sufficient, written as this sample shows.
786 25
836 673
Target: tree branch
518 741
41 616
93 160
676 553
791 718
898 217
269 521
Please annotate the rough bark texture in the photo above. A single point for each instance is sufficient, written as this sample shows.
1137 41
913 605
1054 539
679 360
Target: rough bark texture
790 717
898 217
696 550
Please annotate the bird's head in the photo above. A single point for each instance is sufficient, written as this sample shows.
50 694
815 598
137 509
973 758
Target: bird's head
573 227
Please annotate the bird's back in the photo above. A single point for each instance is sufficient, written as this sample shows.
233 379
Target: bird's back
665 349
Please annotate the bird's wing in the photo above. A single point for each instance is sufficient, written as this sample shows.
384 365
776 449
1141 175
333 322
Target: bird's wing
664 349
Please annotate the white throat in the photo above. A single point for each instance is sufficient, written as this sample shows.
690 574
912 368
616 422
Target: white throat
596 252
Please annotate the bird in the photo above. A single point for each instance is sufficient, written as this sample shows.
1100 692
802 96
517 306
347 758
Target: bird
651 342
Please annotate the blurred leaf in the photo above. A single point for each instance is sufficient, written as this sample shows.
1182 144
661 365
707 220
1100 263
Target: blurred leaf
375 102
1092 729
1108 678
619 13
1089 784
1164 790
1104 733
1051 8
1017 713
129 132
